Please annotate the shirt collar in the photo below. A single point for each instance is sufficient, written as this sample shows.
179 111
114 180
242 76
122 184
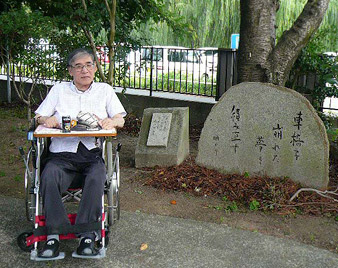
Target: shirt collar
74 88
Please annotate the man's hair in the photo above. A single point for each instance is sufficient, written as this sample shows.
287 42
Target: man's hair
77 53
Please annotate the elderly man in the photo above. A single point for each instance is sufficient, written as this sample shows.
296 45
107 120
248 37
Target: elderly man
72 155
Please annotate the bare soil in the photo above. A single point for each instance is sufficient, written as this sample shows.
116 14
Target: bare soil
320 229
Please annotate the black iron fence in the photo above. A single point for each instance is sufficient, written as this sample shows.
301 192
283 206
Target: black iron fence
175 69
202 72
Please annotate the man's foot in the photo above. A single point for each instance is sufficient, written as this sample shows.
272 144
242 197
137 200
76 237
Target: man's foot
86 247
50 249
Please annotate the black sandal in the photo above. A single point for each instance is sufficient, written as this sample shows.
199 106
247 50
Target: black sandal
51 246
87 247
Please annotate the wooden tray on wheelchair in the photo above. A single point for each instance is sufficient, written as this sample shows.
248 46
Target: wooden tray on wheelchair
44 132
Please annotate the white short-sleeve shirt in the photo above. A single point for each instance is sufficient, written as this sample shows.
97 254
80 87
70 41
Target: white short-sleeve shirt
65 99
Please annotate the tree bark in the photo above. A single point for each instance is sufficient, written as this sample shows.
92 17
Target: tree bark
295 39
260 58
91 41
112 18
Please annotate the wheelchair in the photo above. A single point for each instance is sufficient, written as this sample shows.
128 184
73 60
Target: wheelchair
29 240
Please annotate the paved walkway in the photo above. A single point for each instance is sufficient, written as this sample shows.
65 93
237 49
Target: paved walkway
172 242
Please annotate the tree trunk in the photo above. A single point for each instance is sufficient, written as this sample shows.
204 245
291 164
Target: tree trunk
91 41
112 19
29 111
260 58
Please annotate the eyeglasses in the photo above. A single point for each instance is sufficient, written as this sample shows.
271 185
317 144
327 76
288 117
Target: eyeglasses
79 67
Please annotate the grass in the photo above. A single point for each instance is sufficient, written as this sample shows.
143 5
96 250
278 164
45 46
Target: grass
18 178
18 111
226 205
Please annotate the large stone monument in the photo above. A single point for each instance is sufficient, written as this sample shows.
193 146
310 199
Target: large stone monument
263 129
163 138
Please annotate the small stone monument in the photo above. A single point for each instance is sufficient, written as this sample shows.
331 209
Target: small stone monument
266 130
163 138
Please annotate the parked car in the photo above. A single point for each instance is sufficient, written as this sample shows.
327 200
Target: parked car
102 54
122 64
171 59
210 56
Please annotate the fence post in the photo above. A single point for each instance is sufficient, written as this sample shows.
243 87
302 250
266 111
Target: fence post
234 74
225 71
151 70
9 90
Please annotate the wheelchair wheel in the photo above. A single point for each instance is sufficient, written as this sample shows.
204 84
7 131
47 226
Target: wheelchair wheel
30 204
22 243
29 184
113 201
113 197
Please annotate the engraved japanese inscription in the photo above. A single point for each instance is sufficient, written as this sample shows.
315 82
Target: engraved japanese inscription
159 129
266 130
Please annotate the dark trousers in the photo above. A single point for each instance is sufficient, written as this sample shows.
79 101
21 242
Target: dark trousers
58 174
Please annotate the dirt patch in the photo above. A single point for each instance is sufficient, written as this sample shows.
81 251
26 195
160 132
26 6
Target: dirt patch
320 230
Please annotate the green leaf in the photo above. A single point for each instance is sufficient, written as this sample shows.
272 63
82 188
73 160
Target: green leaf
332 81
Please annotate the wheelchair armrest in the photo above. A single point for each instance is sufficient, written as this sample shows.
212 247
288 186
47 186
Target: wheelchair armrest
33 125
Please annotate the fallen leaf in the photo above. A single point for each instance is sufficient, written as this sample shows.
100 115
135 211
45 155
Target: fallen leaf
143 246
138 191
173 202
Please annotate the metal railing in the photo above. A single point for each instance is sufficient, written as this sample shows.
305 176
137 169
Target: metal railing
162 69
172 69
40 62
201 72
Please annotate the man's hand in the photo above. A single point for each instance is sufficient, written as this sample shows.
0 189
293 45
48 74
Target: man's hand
50 122
117 121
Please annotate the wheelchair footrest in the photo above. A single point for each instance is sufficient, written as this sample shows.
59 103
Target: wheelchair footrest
34 257
100 255
67 232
